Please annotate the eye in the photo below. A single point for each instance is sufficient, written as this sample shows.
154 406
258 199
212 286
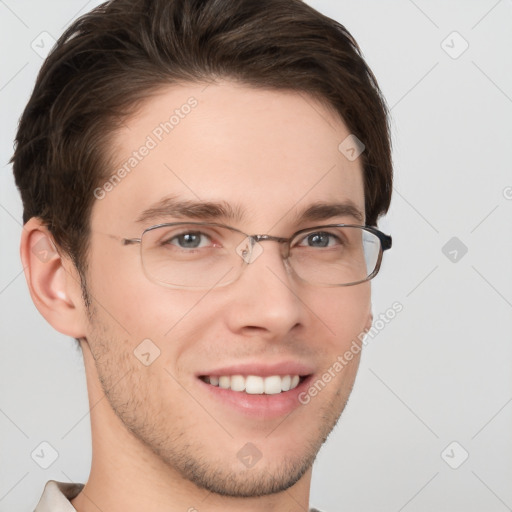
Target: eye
190 240
319 239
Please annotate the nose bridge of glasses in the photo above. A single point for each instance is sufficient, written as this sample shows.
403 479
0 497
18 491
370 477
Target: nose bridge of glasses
262 238
283 242
250 248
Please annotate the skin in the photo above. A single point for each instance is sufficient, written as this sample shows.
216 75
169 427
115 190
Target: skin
160 443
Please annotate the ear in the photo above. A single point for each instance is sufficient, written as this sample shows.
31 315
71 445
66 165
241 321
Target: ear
52 279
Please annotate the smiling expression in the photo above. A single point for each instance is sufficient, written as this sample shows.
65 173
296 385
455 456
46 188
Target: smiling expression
226 364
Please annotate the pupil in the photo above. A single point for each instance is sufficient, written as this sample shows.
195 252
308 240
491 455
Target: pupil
189 240
319 240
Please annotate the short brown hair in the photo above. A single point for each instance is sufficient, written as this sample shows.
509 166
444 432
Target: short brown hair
108 60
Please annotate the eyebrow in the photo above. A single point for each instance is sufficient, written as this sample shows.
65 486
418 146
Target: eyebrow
181 208
171 206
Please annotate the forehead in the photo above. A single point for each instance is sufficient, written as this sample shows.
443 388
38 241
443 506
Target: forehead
266 154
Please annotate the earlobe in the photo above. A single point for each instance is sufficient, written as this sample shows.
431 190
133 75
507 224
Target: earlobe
52 280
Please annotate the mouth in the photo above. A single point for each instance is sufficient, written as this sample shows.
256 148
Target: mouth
255 384
257 392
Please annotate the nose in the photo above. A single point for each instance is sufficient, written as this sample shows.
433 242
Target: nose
265 299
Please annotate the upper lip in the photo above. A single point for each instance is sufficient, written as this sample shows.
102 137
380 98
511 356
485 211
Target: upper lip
261 369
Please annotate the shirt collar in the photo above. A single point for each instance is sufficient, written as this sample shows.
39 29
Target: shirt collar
56 496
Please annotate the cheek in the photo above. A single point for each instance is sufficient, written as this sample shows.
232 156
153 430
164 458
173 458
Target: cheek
132 303
344 312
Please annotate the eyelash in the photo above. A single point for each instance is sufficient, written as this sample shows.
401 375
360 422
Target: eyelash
175 237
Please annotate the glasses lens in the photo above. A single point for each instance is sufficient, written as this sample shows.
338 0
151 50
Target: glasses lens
191 255
335 256
203 256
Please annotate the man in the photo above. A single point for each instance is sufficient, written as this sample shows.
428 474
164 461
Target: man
201 182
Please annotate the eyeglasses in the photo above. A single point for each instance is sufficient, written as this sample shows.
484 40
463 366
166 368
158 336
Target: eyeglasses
202 255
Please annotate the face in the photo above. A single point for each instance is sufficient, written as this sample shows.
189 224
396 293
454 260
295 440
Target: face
267 157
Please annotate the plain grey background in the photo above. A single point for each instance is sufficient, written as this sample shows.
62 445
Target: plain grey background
428 426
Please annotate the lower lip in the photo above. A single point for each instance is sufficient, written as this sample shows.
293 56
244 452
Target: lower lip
259 406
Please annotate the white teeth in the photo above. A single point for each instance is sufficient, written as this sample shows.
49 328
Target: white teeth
225 382
254 384
237 383
272 385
